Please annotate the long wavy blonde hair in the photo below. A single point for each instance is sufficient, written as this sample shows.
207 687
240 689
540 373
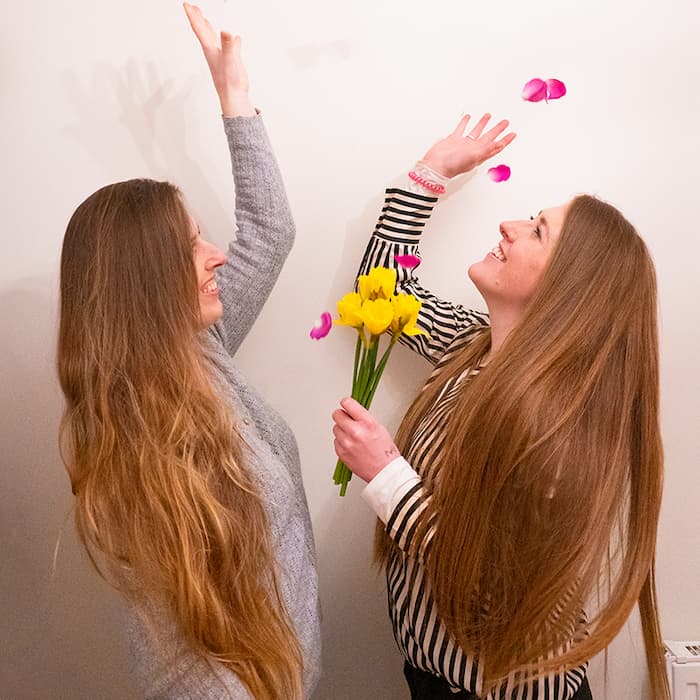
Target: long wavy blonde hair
549 490
163 495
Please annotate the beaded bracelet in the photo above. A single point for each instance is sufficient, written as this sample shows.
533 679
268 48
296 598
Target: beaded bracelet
432 186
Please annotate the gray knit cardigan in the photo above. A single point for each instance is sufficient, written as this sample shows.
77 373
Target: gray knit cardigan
165 667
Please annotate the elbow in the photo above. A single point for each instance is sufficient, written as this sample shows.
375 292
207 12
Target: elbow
289 234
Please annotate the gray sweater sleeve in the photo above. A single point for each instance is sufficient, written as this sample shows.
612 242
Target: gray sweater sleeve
265 230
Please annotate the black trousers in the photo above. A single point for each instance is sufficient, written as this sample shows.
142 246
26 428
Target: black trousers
426 686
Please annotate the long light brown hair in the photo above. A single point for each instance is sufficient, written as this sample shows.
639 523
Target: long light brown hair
163 495
550 486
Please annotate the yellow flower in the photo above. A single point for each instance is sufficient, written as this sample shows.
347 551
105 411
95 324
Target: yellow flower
377 315
405 308
378 284
350 311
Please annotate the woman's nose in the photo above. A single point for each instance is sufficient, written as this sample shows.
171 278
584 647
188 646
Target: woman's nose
216 258
510 230
506 230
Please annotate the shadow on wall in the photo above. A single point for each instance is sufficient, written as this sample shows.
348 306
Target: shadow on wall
135 107
61 633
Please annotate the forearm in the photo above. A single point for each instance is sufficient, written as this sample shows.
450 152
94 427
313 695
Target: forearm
235 103
263 214
397 235
265 229
398 497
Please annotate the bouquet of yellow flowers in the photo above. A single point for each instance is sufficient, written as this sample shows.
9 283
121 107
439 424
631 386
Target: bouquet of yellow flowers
372 311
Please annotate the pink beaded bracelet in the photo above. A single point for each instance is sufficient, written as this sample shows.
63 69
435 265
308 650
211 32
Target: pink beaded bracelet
432 186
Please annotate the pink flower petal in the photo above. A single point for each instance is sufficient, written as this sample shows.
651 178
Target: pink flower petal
534 90
555 89
407 261
499 173
322 327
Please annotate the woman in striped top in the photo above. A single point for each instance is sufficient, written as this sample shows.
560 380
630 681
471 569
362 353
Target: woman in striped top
524 484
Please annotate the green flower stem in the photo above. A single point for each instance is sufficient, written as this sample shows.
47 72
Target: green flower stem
369 357
373 383
358 348
365 380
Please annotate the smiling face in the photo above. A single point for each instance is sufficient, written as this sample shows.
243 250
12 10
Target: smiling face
207 257
509 274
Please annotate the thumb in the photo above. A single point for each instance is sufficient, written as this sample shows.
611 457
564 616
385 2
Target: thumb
354 409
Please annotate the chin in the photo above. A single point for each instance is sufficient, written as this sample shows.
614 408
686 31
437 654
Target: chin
473 272
210 316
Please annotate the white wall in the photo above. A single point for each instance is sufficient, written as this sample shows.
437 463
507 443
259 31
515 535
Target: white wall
352 93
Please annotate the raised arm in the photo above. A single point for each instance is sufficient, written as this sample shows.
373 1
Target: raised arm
265 226
396 491
407 208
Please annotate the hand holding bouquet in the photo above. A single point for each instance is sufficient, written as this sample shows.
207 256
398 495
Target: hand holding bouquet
372 311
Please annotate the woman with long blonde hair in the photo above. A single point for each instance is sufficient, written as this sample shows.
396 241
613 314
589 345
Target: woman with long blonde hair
188 490
518 506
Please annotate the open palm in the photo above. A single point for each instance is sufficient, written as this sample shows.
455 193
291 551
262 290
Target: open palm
459 153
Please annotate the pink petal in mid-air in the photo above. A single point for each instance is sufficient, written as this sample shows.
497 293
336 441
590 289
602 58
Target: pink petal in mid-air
555 89
322 327
407 261
499 173
535 90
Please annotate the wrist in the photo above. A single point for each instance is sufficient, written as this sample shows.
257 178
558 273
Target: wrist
236 104
428 178
391 454
438 166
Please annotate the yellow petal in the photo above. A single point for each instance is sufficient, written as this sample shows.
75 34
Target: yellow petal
413 330
377 315
378 284
364 286
350 310
405 309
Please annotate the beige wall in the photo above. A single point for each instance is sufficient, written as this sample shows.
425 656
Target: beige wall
352 93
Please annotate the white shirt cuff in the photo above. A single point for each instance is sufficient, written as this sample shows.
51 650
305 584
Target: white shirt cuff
429 174
392 483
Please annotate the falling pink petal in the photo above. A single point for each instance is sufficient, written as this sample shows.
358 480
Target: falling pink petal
407 261
499 173
555 89
535 90
322 327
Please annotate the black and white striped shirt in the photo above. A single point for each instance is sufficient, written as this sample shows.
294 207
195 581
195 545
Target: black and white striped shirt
397 494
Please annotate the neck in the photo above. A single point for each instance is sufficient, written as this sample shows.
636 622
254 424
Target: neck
502 323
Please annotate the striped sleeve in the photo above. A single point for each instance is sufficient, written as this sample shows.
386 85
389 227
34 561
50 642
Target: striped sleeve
405 525
401 222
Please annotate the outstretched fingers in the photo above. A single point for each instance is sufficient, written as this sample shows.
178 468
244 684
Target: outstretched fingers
479 127
508 138
461 126
201 26
496 130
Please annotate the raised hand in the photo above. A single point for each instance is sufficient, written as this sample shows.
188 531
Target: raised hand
223 53
360 441
459 153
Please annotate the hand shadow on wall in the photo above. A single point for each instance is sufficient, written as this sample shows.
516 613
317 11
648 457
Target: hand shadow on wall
134 106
